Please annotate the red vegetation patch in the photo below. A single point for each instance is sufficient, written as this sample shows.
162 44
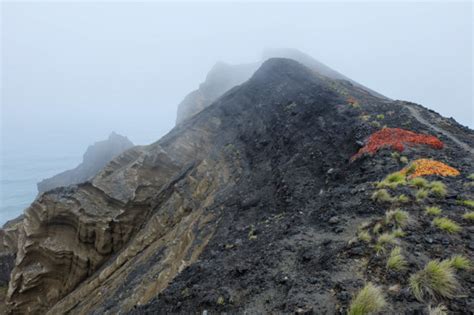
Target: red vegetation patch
396 139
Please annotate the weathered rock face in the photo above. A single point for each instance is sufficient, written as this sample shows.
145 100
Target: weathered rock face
251 205
95 158
219 80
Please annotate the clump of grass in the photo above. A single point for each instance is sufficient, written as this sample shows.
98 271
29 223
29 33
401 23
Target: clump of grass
380 116
382 241
438 310
392 180
447 225
402 199
398 233
438 189
377 227
397 217
459 262
421 194
364 236
370 299
381 195
471 176
419 182
467 203
433 210
396 261
437 279
469 216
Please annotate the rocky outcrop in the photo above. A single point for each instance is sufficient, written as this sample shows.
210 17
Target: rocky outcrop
219 80
250 206
95 158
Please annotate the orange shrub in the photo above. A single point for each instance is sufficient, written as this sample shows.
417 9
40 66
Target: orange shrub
424 167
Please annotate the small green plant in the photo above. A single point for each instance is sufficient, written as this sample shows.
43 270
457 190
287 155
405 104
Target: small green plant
433 210
375 124
467 203
421 194
471 176
396 261
402 198
380 116
438 189
364 236
382 241
398 233
437 310
419 182
381 195
220 300
377 227
397 217
459 262
446 225
392 180
369 300
395 155
437 279
469 216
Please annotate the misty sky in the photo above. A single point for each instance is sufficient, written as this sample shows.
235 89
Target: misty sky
72 73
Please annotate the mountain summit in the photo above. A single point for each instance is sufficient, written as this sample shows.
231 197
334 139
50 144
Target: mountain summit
292 192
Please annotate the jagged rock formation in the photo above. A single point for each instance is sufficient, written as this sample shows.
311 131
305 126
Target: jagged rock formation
223 77
95 158
219 80
251 205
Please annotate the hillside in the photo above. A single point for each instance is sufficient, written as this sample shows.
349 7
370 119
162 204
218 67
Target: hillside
275 198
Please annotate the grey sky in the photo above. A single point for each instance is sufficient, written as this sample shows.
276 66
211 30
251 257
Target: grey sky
78 71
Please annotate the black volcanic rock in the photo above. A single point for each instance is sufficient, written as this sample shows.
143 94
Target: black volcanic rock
233 210
94 159
222 77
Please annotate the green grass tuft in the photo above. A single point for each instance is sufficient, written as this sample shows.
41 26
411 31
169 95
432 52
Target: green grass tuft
402 199
397 217
421 194
419 182
438 310
460 262
469 216
438 189
447 225
433 210
382 241
467 203
392 180
364 236
381 195
377 227
471 176
396 261
437 279
369 300
398 233
404 160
